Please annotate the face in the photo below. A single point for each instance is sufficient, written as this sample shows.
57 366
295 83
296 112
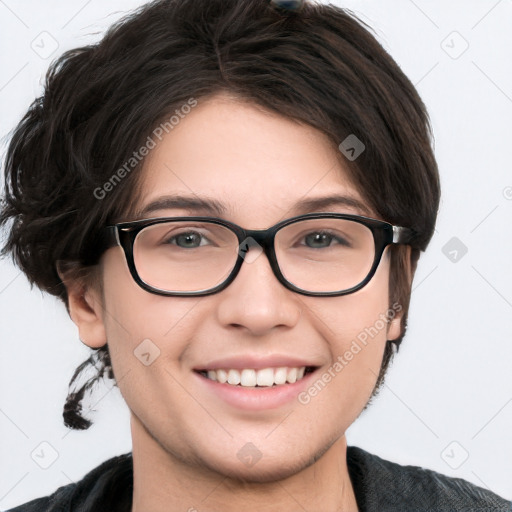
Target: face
260 167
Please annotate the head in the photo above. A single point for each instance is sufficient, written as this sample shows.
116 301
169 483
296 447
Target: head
246 105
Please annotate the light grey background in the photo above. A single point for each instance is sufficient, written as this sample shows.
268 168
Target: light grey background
449 392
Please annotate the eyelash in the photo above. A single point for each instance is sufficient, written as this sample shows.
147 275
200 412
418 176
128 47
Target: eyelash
342 241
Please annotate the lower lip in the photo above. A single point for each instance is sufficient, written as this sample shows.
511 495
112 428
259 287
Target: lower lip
256 399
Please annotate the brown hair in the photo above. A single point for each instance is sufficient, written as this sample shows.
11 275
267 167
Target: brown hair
319 65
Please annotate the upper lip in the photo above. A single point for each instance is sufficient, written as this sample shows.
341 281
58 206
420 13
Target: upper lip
256 363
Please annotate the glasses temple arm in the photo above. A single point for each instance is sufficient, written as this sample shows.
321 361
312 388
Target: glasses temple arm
109 238
403 235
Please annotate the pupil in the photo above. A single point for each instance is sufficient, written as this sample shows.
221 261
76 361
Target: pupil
188 240
318 239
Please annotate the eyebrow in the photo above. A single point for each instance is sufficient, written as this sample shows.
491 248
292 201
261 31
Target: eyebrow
322 203
209 206
193 203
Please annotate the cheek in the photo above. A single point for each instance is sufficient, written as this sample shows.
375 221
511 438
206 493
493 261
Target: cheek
147 336
354 329
143 328
357 316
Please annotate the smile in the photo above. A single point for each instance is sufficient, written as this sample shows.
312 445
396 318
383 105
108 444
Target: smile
264 377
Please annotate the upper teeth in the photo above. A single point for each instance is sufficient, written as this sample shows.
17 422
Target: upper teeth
263 377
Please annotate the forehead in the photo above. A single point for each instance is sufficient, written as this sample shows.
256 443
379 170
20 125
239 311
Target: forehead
244 164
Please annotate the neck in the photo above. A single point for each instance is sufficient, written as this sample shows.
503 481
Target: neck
161 479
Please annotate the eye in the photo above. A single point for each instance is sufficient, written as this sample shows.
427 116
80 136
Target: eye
323 239
187 240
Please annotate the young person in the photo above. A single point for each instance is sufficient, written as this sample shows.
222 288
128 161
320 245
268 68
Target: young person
226 194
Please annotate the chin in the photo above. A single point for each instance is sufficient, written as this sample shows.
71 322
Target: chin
263 472
267 469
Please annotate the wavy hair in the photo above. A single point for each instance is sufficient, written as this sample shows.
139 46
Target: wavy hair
319 65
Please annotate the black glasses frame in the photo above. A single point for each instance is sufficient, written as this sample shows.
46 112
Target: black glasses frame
384 234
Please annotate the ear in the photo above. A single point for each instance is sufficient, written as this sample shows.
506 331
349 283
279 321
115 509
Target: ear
395 325
85 308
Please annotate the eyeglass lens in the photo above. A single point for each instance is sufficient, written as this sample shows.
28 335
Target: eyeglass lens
316 255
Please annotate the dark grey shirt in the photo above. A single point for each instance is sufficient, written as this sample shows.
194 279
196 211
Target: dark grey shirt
379 486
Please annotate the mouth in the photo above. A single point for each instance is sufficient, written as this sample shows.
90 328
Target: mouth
257 378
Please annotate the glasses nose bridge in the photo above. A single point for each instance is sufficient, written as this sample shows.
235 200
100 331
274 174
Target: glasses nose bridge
265 239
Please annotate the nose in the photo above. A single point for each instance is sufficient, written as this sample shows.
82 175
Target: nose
256 301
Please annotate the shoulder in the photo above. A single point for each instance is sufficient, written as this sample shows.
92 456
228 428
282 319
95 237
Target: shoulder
55 502
107 487
39 505
383 485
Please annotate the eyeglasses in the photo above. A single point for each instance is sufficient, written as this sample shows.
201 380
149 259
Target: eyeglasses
317 254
